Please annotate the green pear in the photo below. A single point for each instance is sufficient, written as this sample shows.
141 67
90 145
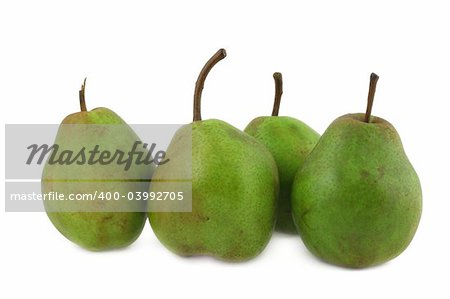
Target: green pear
357 201
290 141
107 222
234 188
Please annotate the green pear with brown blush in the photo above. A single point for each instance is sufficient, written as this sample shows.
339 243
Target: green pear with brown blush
290 141
97 215
234 188
357 201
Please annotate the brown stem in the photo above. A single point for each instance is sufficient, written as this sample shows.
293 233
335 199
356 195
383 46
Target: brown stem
81 94
221 54
372 87
278 92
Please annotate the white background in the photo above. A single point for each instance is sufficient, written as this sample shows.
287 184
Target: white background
142 59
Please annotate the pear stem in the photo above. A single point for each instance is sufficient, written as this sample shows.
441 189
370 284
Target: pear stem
221 54
278 92
82 98
372 88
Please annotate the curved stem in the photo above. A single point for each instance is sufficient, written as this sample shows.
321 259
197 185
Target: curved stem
221 54
372 87
81 94
278 92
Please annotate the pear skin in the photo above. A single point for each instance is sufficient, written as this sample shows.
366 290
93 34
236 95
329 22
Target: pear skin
96 231
290 141
234 189
357 201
